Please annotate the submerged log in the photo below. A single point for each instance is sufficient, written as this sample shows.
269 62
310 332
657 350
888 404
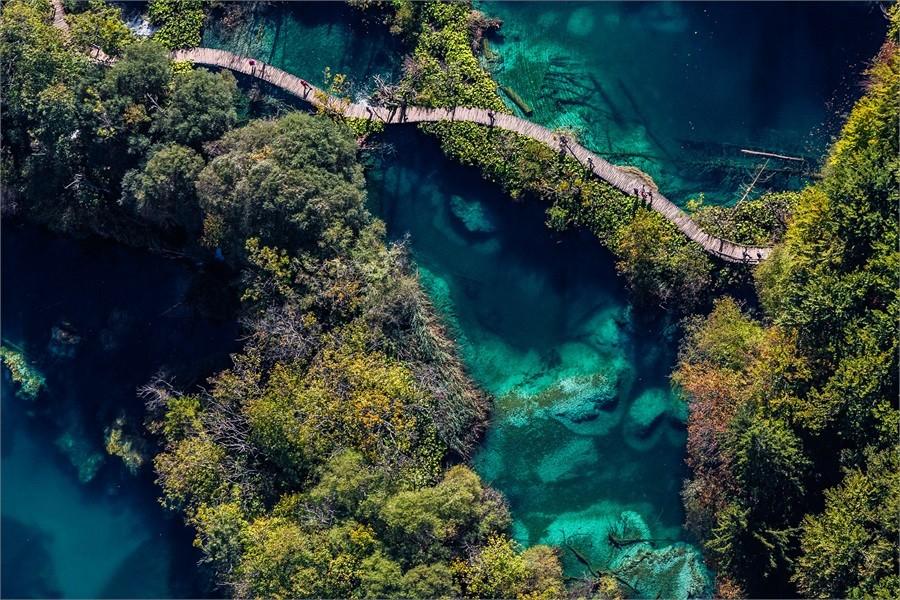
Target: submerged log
619 543
771 155
517 100
487 51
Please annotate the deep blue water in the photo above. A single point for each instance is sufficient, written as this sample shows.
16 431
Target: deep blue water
71 529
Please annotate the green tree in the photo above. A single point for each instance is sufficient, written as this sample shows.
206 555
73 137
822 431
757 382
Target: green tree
455 512
191 472
221 531
496 571
349 487
200 108
660 264
142 74
293 183
434 580
34 57
163 190
101 25
180 21
43 119
850 549
501 570
768 461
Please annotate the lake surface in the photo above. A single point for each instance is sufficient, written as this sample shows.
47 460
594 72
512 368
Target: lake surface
98 320
679 88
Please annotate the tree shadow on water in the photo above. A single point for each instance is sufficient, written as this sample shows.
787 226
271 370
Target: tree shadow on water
26 568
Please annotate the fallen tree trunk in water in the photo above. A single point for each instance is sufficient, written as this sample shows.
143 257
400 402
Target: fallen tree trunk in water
517 100
770 155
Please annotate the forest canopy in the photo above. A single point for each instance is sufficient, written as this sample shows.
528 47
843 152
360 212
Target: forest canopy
792 437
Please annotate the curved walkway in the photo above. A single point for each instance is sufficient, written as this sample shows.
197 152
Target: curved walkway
621 178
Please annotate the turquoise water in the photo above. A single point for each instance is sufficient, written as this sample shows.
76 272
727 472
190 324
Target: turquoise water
306 38
75 522
679 88
585 427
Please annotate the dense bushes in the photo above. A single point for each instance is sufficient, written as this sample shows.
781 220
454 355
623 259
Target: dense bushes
201 107
101 25
162 191
293 183
799 410
180 22
761 221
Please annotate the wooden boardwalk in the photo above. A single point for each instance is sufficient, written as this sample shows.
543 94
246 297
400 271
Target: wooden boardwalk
621 178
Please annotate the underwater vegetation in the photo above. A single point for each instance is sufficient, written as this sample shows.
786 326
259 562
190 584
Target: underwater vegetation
28 379
127 445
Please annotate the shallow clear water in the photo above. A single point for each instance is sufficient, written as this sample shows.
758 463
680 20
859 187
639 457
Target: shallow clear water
585 425
679 88
75 522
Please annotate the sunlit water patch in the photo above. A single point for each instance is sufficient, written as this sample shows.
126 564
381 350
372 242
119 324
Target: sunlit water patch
585 428
98 321
679 89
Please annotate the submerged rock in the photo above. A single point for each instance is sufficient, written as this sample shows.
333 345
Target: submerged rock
584 405
652 414
81 454
584 534
63 340
569 461
471 214
127 445
646 411
674 571
581 22
622 544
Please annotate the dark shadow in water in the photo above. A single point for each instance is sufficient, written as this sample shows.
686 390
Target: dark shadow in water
27 571
142 575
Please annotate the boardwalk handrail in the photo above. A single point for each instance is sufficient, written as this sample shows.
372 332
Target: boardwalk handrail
621 178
